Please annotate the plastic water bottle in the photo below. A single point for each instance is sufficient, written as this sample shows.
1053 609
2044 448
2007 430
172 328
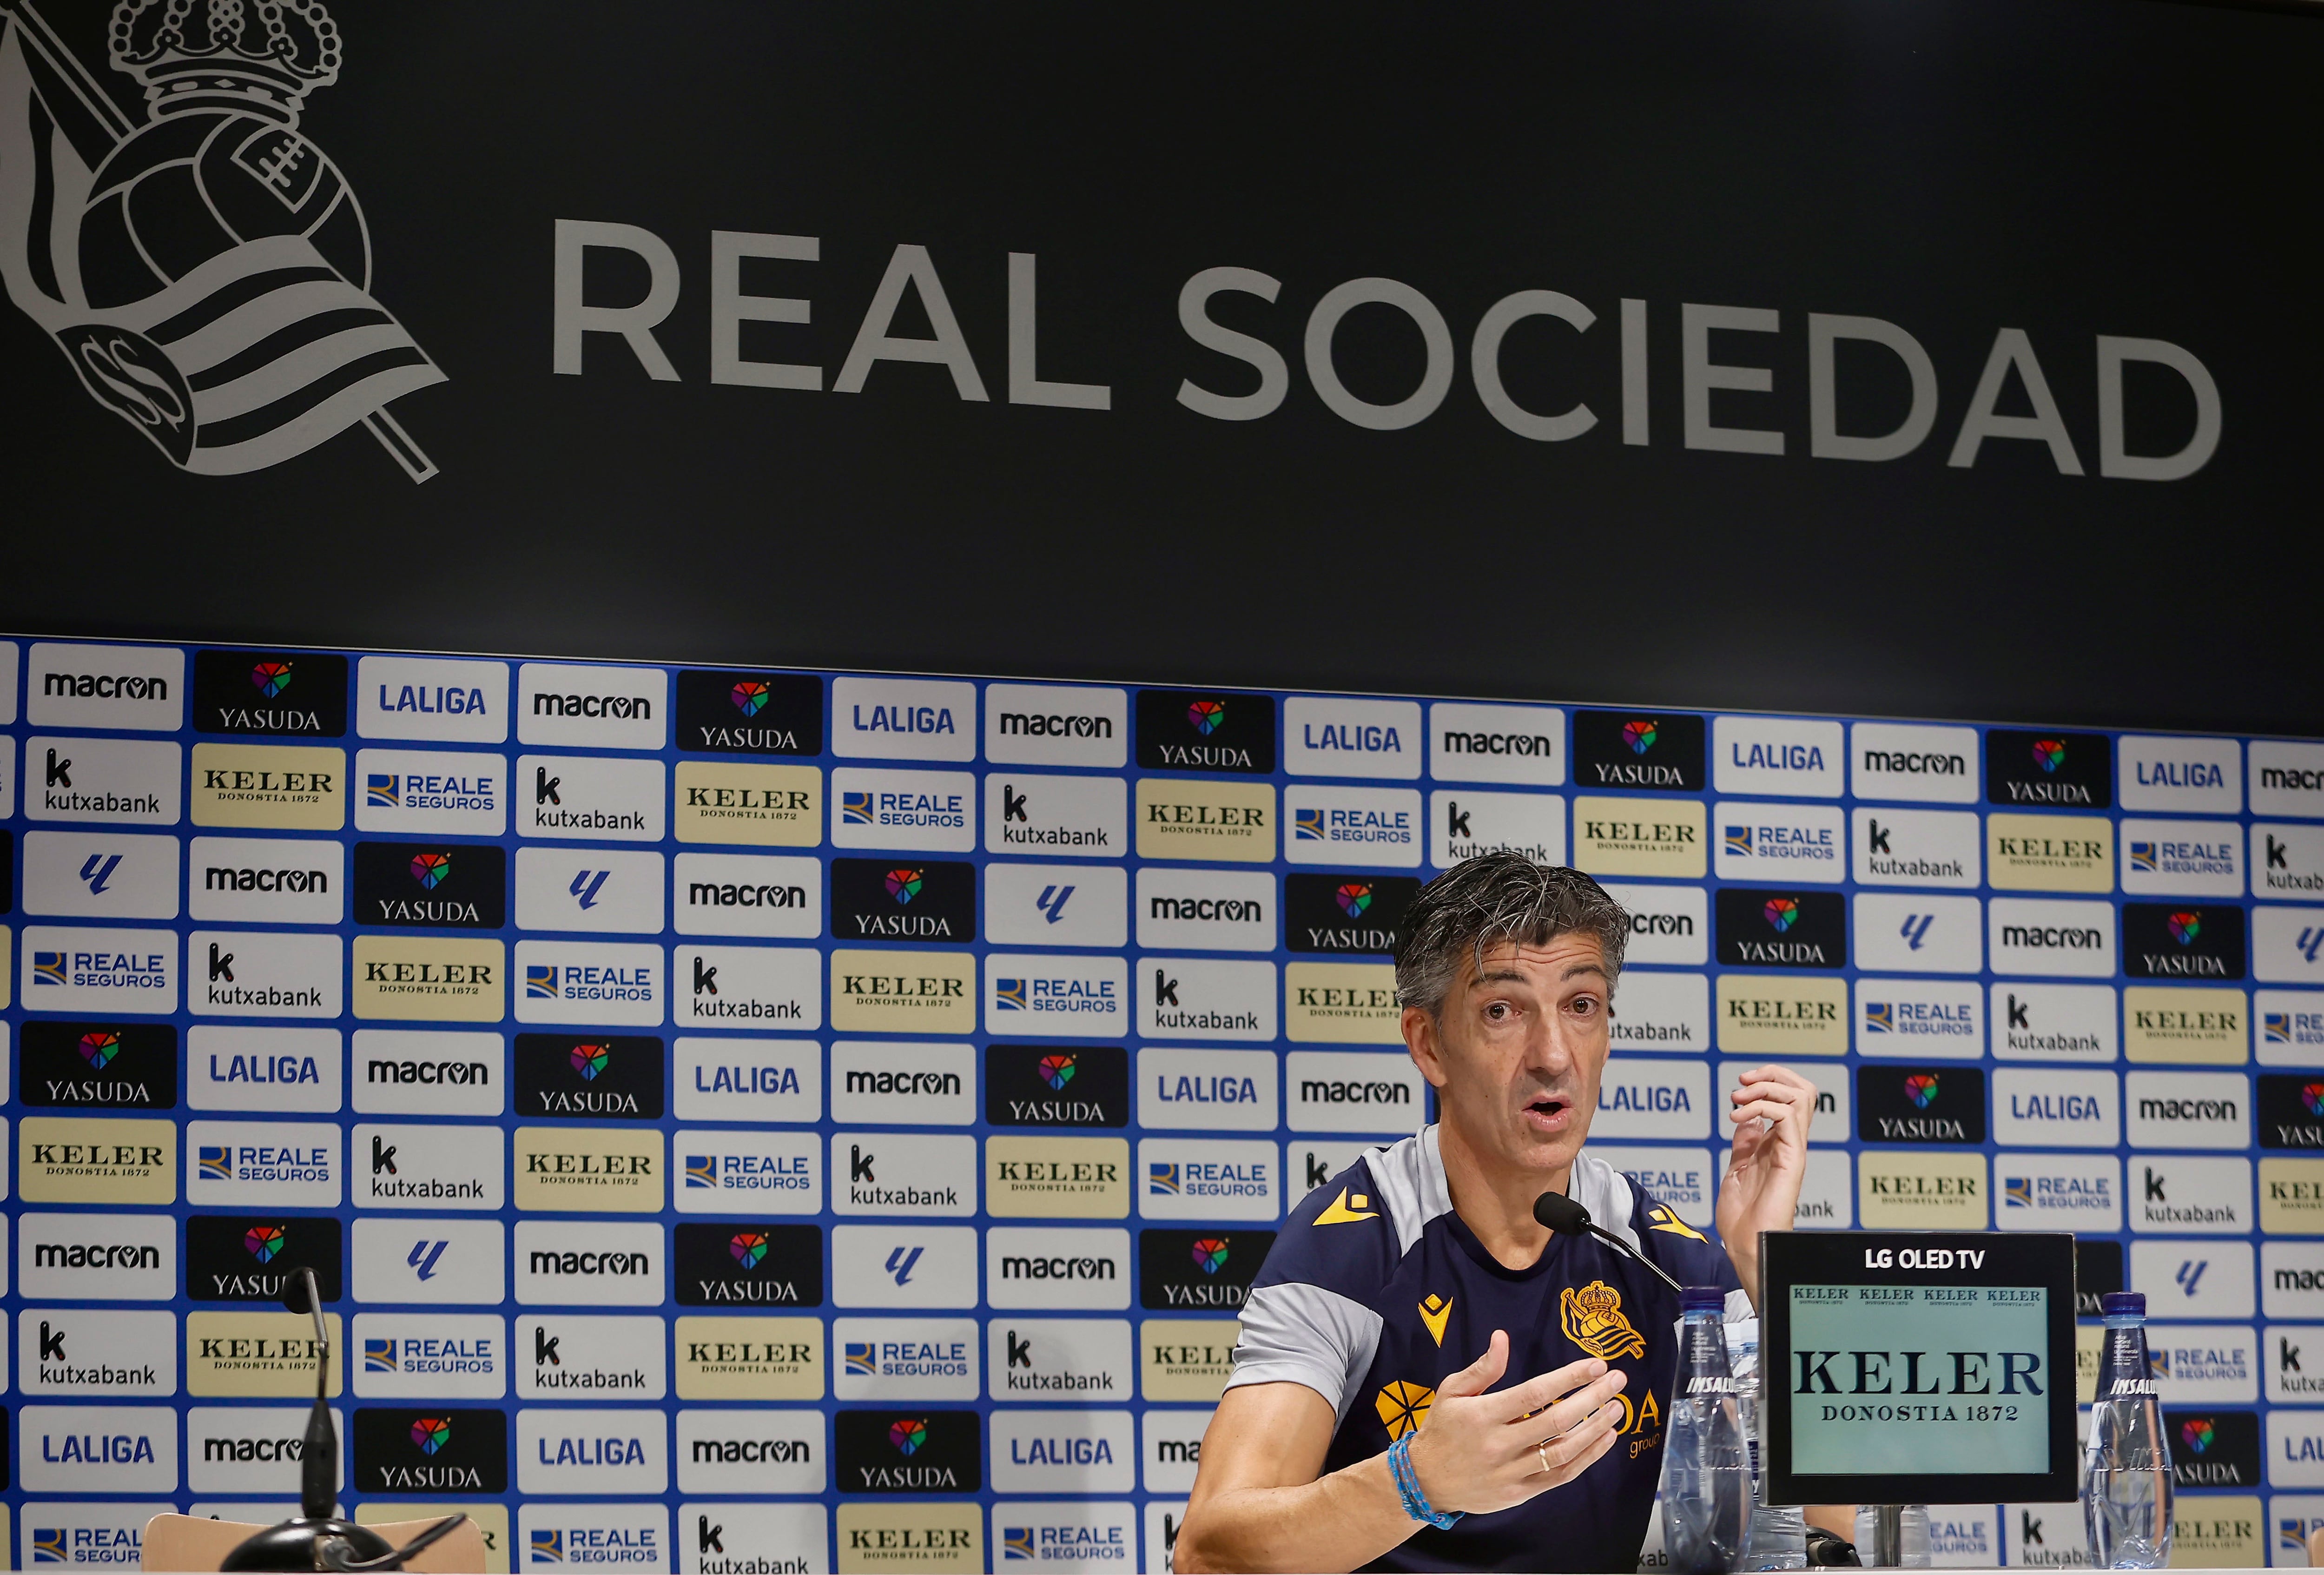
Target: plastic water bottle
2127 1498
1707 1478
1778 1537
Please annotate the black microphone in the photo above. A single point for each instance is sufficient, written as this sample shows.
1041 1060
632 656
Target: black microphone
1560 1213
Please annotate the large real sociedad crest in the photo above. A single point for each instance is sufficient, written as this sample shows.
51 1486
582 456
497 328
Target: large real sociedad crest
208 273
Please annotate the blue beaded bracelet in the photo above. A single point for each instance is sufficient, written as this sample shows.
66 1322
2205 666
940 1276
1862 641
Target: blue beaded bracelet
1408 1486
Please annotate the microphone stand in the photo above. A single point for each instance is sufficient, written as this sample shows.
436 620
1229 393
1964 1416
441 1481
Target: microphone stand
315 1534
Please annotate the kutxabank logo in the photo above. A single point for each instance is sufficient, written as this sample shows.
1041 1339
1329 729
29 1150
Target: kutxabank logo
208 273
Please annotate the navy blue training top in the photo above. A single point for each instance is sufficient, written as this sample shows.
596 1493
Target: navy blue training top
1376 1291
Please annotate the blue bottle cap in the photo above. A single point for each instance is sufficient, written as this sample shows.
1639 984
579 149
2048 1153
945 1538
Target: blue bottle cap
2115 1303
1703 1299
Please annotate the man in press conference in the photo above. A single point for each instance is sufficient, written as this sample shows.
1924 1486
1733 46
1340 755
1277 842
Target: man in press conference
1428 1378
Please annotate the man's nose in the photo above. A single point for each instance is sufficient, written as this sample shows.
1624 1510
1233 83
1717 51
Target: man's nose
1549 1050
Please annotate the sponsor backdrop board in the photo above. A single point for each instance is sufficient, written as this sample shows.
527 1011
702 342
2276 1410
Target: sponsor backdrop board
747 1115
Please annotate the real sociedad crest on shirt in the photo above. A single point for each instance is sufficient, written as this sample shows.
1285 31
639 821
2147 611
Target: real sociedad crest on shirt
207 273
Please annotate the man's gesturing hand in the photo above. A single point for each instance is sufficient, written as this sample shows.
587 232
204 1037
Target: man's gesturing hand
1476 1452
1772 1109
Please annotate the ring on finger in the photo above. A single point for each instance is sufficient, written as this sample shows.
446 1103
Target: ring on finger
1541 1452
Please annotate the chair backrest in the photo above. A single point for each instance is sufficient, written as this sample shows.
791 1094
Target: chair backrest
183 1542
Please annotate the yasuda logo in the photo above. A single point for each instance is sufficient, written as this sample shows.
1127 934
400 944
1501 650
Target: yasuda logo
271 678
589 1059
430 868
263 1241
1640 735
1057 1071
2197 1433
907 1435
2312 1095
748 1248
2049 753
99 1048
1782 913
1354 898
749 697
1210 1253
1920 1088
2185 927
904 884
1204 716
430 1433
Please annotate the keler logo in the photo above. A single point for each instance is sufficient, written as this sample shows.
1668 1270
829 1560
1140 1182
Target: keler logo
259 339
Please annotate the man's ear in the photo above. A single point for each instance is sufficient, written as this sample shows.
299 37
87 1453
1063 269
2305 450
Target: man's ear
1423 1037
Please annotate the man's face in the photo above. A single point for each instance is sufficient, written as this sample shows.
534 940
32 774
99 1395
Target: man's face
1517 1052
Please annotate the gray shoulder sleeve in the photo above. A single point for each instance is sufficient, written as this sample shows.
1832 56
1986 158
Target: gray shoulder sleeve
1304 1334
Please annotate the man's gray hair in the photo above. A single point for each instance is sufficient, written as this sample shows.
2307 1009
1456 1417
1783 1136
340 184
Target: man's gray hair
1492 899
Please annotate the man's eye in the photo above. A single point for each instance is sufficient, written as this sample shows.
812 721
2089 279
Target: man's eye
1583 1006
1498 1012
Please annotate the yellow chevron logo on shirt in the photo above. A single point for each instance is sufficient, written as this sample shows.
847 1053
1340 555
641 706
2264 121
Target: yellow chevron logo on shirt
1338 1212
1660 1218
1434 1313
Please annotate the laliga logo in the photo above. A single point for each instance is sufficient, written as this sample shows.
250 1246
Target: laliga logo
208 273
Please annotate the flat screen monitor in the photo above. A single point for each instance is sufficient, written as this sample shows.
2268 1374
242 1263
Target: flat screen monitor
1909 1367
